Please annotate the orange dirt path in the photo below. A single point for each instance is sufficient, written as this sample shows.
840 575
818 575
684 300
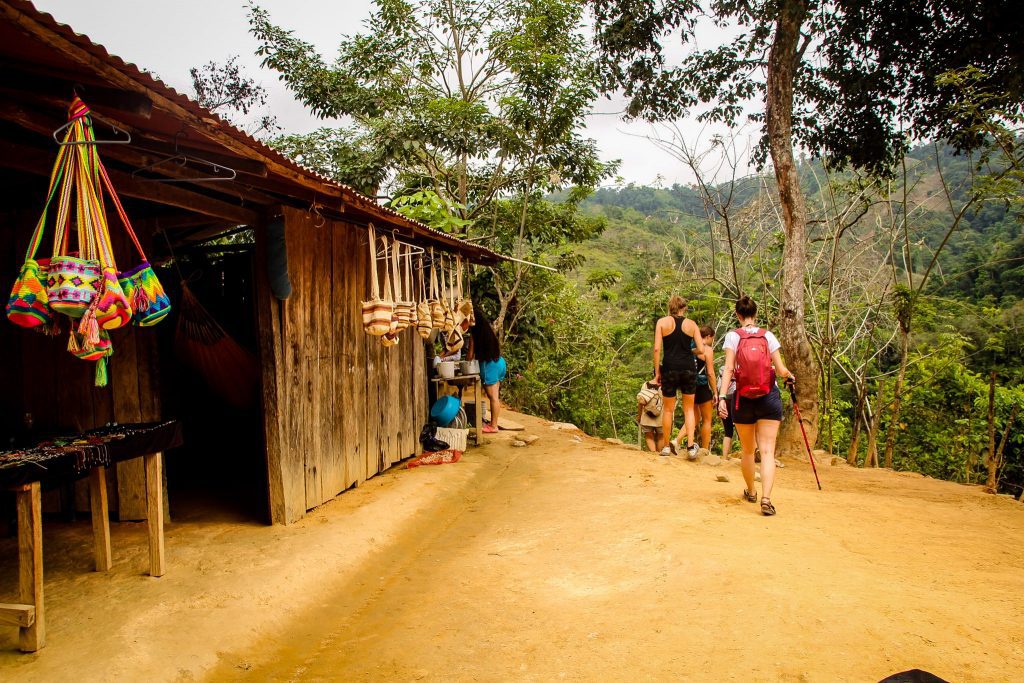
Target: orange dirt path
567 560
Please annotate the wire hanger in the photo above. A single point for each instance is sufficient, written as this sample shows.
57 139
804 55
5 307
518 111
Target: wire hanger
413 250
126 141
221 173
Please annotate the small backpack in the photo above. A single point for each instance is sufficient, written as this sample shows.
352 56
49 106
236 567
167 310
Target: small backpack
652 403
753 369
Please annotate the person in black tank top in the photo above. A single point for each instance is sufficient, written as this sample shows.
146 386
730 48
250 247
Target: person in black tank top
675 369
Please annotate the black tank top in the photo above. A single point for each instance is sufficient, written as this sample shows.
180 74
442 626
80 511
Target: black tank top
678 354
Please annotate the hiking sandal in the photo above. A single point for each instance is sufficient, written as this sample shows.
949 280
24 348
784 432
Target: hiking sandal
750 496
767 509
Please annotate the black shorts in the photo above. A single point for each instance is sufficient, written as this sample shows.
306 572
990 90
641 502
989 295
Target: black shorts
703 395
750 410
678 381
727 425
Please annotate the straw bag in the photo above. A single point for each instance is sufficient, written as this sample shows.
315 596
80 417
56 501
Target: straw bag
390 338
376 312
405 310
436 306
423 320
447 300
464 307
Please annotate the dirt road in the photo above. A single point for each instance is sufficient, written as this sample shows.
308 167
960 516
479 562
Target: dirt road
583 561
567 559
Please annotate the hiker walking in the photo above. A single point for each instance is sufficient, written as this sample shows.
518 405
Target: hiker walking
675 370
493 368
706 397
649 413
750 354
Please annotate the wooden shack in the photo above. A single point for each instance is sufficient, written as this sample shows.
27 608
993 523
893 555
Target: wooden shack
335 406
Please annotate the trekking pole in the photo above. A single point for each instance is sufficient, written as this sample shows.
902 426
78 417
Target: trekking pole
796 408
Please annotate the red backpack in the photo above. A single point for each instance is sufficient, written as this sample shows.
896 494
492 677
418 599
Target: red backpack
754 374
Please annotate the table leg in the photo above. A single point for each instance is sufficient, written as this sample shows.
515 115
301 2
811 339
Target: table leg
30 564
99 507
155 512
478 390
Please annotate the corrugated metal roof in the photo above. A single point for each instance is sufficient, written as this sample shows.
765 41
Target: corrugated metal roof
149 82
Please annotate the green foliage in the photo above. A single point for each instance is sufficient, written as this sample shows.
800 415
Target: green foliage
472 99
341 154
227 91
865 67
429 208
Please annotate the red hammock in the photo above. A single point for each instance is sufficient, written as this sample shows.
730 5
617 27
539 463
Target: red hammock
231 371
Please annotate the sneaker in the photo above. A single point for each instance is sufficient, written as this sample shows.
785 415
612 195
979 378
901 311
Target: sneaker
666 451
691 452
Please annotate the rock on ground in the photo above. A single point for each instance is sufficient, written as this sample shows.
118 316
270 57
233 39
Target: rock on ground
722 478
617 442
564 426
519 444
530 439
709 458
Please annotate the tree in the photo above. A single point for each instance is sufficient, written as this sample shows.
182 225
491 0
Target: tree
225 90
838 78
474 101
454 95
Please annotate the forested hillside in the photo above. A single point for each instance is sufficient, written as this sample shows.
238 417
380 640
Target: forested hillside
967 321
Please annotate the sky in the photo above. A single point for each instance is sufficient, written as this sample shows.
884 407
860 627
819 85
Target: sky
169 37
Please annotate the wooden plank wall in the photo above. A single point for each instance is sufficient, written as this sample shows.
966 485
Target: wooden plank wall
41 378
338 407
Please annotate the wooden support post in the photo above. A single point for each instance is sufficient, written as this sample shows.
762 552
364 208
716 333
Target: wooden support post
100 518
478 418
155 512
21 616
30 564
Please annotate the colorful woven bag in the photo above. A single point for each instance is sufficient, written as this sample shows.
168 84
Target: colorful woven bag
147 299
29 303
29 306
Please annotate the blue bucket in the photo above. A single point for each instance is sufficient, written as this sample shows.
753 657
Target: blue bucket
445 410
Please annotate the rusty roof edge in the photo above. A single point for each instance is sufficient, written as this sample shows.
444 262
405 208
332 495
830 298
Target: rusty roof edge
148 81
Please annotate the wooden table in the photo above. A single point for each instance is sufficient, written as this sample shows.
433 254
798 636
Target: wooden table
28 613
460 382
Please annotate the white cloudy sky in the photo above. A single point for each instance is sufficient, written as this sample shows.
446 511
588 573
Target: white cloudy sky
168 37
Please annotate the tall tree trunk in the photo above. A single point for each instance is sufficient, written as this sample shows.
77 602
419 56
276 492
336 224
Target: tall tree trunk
782 64
994 488
862 391
871 459
897 396
993 466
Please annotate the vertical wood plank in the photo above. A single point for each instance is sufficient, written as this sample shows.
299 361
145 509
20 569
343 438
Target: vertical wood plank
295 405
155 516
354 362
100 518
30 564
268 317
124 383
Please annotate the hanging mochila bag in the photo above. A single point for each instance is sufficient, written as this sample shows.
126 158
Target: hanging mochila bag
453 340
142 289
447 299
423 321
465 305
390 289
29 305
404 309
376 311
410 291
436 307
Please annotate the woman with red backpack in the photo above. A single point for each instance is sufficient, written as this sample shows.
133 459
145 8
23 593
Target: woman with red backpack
750 355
